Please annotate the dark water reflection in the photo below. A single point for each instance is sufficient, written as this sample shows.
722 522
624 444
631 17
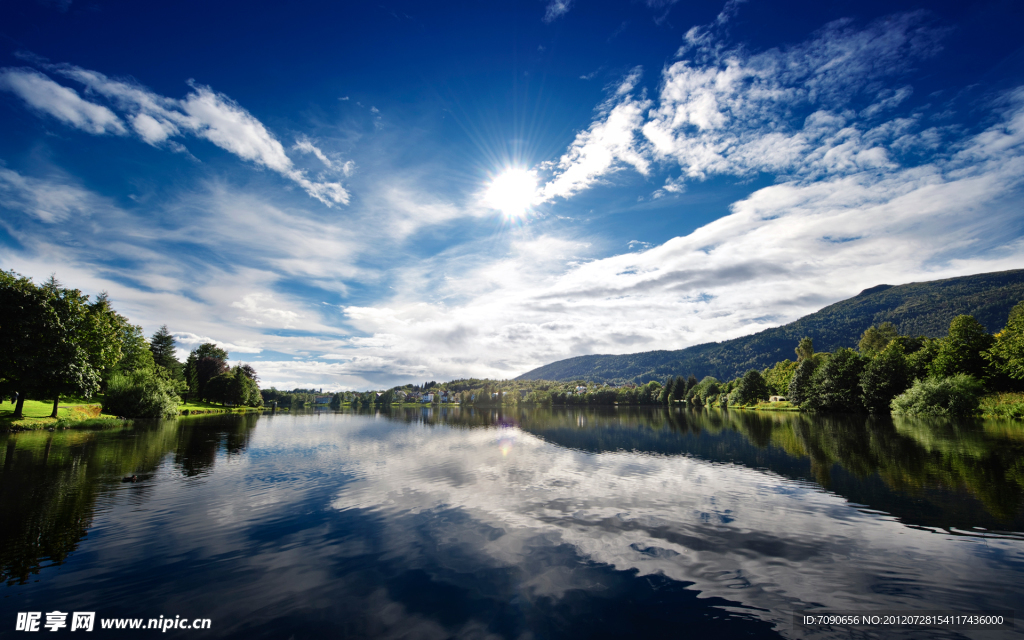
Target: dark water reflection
535 523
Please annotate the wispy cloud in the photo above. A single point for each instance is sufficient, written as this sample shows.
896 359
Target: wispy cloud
609 143
44 95
556 9
306 146
156 119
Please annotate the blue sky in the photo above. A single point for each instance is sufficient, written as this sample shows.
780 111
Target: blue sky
356 196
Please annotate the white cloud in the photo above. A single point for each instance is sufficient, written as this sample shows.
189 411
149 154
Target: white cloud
609 143
639 514
556 9
306 145
156 119
783 252
51 201
729 111
45 95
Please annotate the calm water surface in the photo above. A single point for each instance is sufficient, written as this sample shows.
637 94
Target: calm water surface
529 524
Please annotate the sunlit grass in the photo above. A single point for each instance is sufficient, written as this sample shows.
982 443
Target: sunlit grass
36 414
1004 405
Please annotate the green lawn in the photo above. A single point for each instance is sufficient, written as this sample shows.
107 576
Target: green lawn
36 414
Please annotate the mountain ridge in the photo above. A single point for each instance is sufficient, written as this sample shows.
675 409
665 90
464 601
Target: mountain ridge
916 308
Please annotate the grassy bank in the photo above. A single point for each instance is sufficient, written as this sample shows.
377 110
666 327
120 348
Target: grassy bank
88 414
36 415
1003 405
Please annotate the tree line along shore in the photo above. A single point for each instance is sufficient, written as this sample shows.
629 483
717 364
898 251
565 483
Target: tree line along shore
967 372
56 344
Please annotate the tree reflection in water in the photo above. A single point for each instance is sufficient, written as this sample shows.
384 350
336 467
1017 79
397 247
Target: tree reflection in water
51 480
954 475
939 473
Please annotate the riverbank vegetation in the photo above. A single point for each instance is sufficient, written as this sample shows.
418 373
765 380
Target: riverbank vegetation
57 343
967 372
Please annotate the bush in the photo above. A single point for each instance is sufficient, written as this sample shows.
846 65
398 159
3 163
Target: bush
140 394
954 396
1004 405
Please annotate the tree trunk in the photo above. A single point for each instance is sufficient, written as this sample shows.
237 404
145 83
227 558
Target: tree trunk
56 399
19 406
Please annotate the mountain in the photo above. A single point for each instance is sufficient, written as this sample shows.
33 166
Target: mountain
918 308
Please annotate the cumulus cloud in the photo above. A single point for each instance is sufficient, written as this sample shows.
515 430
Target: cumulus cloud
44 95
727 111
156 119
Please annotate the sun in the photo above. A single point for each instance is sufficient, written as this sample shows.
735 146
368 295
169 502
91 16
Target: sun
512 192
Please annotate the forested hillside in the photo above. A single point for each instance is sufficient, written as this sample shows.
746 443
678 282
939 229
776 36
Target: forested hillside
918 308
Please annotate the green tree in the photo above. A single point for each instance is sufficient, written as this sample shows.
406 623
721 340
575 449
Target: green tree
670 388
23 327
835 385
885 377
1006 355
162 345
752 388
800 385
106 336
204 363
962 350
874 339
805 349
679 390
698 395
778 377
919 361
67 368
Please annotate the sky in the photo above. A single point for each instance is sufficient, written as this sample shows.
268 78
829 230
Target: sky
356 196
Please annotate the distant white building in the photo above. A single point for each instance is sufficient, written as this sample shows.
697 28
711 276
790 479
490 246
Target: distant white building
777 399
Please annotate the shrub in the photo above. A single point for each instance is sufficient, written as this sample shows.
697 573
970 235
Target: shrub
140 394
1004 405
953 396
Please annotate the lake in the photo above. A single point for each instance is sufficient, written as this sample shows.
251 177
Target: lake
440 523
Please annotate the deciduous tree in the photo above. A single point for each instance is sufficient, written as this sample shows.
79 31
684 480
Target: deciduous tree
961 351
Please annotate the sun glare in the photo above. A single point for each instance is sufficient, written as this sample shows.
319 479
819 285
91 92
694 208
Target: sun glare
512 192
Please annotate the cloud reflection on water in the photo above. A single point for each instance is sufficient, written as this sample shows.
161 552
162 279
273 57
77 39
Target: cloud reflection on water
773 544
